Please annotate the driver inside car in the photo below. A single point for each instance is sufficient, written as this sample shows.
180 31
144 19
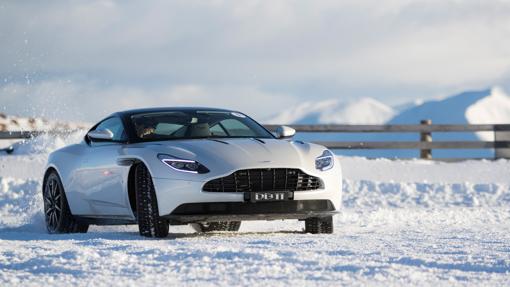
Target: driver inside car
146 132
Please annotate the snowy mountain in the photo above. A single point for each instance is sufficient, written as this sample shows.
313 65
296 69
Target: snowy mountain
491 106
475 107
363 111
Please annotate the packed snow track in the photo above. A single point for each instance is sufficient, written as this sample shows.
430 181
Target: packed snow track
404 223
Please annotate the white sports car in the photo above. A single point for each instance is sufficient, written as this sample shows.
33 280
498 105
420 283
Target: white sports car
210 168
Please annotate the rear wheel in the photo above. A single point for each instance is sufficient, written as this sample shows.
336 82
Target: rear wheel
217 226
57 214
319 225
150 224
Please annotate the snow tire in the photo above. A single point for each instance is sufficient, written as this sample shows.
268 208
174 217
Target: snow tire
150 224
217 226
319 225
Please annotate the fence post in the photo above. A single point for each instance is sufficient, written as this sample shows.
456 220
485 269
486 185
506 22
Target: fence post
426 137
501 133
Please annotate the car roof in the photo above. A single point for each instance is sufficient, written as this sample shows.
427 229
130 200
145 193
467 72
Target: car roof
128 113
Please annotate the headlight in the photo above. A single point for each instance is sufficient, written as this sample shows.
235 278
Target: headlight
325 161
183 165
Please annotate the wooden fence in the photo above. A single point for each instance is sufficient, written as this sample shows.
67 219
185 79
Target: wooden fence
500 144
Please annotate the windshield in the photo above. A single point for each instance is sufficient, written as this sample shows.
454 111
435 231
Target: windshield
196 124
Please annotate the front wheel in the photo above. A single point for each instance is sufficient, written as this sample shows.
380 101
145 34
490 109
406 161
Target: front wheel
57 214
150 224
319 225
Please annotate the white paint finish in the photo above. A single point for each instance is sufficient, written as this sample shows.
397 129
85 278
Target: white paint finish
96 185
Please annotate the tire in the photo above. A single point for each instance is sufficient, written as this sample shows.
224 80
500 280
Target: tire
150 224
57 214
319 225
217 226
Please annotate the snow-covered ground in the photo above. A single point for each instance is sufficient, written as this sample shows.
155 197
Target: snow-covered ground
404 222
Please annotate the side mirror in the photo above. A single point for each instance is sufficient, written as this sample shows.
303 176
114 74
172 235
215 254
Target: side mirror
283 132
100 135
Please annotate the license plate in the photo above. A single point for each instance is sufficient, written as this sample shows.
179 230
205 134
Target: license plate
269 196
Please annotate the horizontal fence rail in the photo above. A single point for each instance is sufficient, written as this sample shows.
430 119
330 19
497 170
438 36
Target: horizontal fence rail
393 128
425 145
20 134
415 145
500 144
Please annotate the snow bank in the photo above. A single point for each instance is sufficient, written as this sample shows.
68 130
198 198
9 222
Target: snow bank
21 204
424 171
21 178
383 183
367 194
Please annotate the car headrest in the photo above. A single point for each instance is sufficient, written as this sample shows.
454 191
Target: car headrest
199 130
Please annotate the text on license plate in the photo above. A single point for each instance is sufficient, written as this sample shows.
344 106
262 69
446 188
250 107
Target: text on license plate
270 196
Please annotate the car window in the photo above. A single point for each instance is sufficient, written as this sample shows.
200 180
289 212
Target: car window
192 124
115 126
217 130
237 129
166 128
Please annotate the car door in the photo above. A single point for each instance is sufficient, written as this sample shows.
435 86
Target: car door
101 180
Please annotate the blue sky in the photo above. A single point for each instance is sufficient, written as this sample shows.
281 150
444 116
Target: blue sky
84 59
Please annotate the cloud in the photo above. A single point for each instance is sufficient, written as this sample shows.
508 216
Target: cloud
233 52
86 100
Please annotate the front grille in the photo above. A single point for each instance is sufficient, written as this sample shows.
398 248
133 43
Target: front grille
260 180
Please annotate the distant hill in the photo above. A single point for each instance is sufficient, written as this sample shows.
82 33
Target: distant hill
363 111
474 107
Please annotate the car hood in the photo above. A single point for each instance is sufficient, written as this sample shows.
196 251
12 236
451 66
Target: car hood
223 156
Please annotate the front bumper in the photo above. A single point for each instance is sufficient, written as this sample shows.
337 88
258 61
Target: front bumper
238 211
173 194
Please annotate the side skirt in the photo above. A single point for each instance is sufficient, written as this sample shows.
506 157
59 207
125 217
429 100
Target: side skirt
109 220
